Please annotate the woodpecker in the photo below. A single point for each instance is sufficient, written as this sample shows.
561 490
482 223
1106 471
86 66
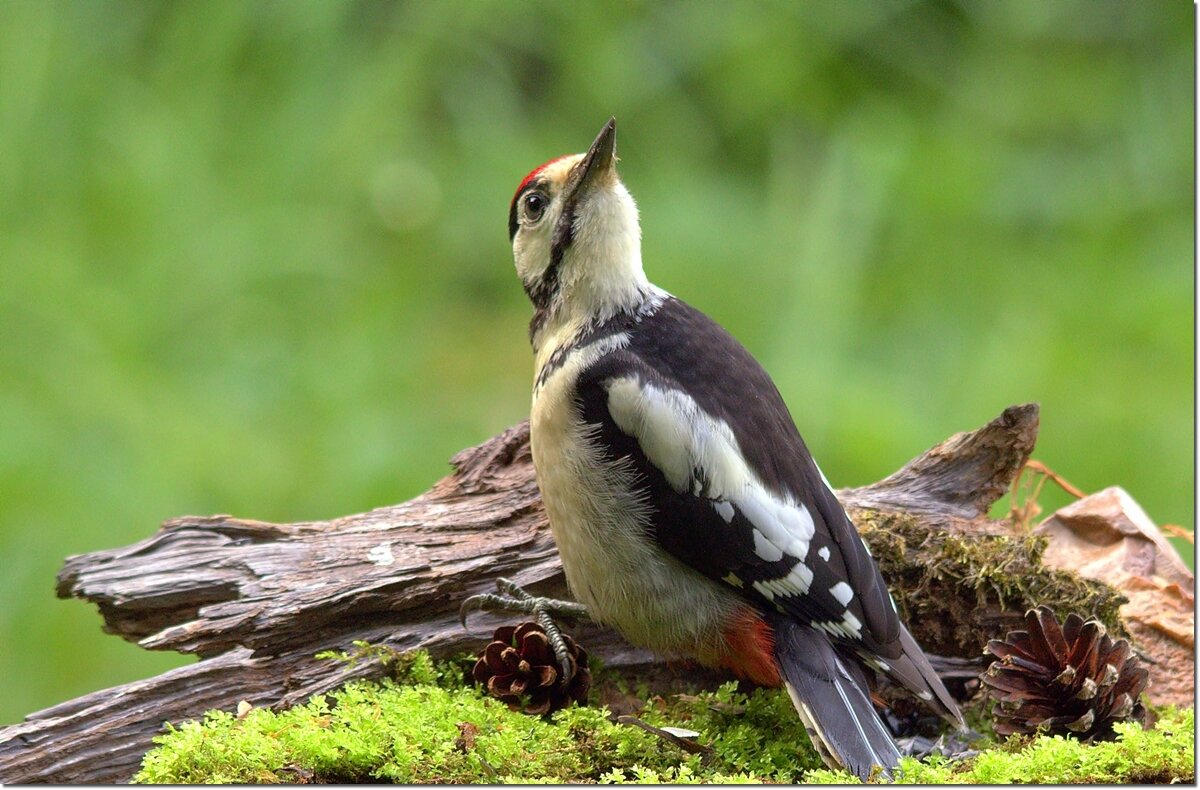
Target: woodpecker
686 508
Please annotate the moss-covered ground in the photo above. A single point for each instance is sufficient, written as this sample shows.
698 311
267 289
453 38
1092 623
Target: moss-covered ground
427 726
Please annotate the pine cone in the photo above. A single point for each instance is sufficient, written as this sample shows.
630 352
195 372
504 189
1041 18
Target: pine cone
519 667
1072 679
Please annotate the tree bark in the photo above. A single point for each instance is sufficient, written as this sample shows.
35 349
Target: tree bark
257 601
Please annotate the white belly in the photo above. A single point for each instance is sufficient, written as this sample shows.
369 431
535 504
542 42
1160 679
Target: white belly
611 563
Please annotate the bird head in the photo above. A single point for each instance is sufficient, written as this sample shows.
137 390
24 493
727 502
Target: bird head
576 240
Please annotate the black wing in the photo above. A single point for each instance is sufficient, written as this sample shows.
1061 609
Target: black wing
784 540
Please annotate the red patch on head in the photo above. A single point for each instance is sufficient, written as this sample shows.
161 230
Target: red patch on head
534 174
751 649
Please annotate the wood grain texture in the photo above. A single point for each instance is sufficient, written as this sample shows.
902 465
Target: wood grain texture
256 601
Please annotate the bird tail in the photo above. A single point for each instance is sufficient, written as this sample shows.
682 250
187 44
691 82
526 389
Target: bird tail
831 696
913 671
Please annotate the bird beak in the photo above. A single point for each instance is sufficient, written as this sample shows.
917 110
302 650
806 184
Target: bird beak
598 162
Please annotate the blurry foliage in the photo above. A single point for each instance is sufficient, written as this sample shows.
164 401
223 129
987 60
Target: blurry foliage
253 255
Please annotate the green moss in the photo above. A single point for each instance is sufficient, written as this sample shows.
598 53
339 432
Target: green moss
963 589
1159 755
683 775
756 734
411 730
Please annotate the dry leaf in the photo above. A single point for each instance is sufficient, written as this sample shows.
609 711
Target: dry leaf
1107 536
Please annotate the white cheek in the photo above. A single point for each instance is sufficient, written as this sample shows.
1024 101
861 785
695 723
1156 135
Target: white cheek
531 248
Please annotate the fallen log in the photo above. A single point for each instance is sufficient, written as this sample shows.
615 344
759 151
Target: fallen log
257 601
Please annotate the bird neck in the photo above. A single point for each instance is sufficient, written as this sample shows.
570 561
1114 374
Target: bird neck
568 322
601 277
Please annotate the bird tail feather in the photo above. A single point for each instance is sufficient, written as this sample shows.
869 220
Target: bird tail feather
913 670
832 701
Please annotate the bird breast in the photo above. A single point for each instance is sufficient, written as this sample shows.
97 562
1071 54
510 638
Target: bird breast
601 525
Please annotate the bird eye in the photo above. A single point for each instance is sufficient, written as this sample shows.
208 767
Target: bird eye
535 206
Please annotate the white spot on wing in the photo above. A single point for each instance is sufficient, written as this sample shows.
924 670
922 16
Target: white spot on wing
800 577
824 552
842 592
833 629
764 591
783 587
765 549
798 549
731 578
852 624
724 510
381 555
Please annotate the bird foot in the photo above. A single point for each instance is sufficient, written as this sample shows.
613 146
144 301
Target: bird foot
512 599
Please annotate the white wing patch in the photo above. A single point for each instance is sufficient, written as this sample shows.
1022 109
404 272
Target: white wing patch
679 438
849 628
799 578
764 590
842 592
766 549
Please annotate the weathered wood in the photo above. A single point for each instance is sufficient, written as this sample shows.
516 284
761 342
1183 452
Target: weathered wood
257 601
962 476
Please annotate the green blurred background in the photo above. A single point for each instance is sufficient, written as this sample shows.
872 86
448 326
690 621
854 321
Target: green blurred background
253 255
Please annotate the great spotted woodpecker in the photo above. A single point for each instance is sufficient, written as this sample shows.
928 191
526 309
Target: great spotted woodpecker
687 510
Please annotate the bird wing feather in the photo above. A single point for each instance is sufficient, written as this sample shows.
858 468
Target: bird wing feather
733 491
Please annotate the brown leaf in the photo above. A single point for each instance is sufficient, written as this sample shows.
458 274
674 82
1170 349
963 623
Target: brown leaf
1107 536
465 741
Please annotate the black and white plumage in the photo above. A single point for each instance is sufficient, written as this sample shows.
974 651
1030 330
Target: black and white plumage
687 510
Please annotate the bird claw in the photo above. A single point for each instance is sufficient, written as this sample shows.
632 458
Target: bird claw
512 598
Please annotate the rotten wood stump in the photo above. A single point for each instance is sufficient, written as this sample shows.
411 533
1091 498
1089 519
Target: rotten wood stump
256 601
